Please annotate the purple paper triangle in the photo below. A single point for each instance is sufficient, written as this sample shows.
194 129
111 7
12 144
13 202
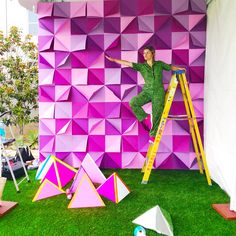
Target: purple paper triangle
107 189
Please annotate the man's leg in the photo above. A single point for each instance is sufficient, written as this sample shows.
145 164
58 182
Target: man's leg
137 102
157 109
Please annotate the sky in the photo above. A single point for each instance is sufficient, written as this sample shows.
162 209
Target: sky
16 15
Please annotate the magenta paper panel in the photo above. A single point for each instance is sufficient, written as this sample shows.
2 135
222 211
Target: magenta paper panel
84 98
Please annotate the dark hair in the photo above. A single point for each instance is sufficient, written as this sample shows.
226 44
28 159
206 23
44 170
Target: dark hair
150 48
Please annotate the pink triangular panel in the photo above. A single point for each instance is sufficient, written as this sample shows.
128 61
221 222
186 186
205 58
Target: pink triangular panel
80 174
132 160
183 20
47 126
78 42
160 158
143 38
97 126
77 9
45 42
122 189
194 20
51 175
95 8
132 130
125 21
44 9
107 189
110 96
92 170
46 190
48 145
111 41
62 92
86 195
65 174
72 160
194 54
97 157
46 76
180 40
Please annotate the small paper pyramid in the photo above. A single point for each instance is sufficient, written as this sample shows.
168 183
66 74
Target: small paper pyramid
156 219
86 195
92 170
80 174
114 189
47 189
66 172
43 168
52 176
59 172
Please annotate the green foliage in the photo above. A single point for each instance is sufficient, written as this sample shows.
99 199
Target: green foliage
18 77
32 139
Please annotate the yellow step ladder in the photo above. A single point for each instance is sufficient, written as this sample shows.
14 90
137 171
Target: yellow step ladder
177 77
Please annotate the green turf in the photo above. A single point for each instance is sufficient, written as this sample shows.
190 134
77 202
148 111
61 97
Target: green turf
184 194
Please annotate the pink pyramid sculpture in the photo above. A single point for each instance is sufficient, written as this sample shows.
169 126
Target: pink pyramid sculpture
92 170
47 189
78 177
86 195
60 173
52 176
114 189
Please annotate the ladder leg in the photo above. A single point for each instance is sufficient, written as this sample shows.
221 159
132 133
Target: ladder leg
12 175
196 130
147 156
21 159
23 164
191 126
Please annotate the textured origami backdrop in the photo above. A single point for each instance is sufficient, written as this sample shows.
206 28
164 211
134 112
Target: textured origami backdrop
84 98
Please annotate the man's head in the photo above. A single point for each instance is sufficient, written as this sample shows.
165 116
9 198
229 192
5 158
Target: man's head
148 53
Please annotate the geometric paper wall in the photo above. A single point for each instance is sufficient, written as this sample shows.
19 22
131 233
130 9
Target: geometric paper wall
84 98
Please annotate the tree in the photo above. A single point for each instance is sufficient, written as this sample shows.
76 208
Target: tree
18 77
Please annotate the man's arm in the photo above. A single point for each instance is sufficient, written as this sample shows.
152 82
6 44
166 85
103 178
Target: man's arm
121 62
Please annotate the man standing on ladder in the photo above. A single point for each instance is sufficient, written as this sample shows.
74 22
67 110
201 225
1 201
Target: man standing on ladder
153 89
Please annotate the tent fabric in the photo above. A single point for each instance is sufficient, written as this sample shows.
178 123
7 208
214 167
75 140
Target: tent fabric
220 95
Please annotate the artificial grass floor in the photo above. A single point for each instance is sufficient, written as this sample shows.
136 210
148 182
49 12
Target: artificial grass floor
184 194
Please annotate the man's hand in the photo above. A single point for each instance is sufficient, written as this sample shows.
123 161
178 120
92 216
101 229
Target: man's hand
174 68
182 69
110 58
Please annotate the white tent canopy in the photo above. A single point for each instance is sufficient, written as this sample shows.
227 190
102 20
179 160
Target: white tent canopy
220 95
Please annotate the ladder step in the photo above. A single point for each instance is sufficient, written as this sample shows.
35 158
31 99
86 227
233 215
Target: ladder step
178 117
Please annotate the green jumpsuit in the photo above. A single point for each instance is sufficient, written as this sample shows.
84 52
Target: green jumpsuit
153 91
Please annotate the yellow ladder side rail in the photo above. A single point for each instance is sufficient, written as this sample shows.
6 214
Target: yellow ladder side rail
168 91
151 145
147 156
196 129
151 158
191 125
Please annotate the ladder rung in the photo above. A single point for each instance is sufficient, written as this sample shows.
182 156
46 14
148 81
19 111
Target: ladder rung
178 117
22 180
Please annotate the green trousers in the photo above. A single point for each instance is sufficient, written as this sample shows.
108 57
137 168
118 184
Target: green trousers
145 97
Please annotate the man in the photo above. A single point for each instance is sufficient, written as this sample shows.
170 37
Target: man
153 89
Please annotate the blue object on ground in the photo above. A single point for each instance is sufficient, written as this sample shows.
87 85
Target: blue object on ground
139 231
